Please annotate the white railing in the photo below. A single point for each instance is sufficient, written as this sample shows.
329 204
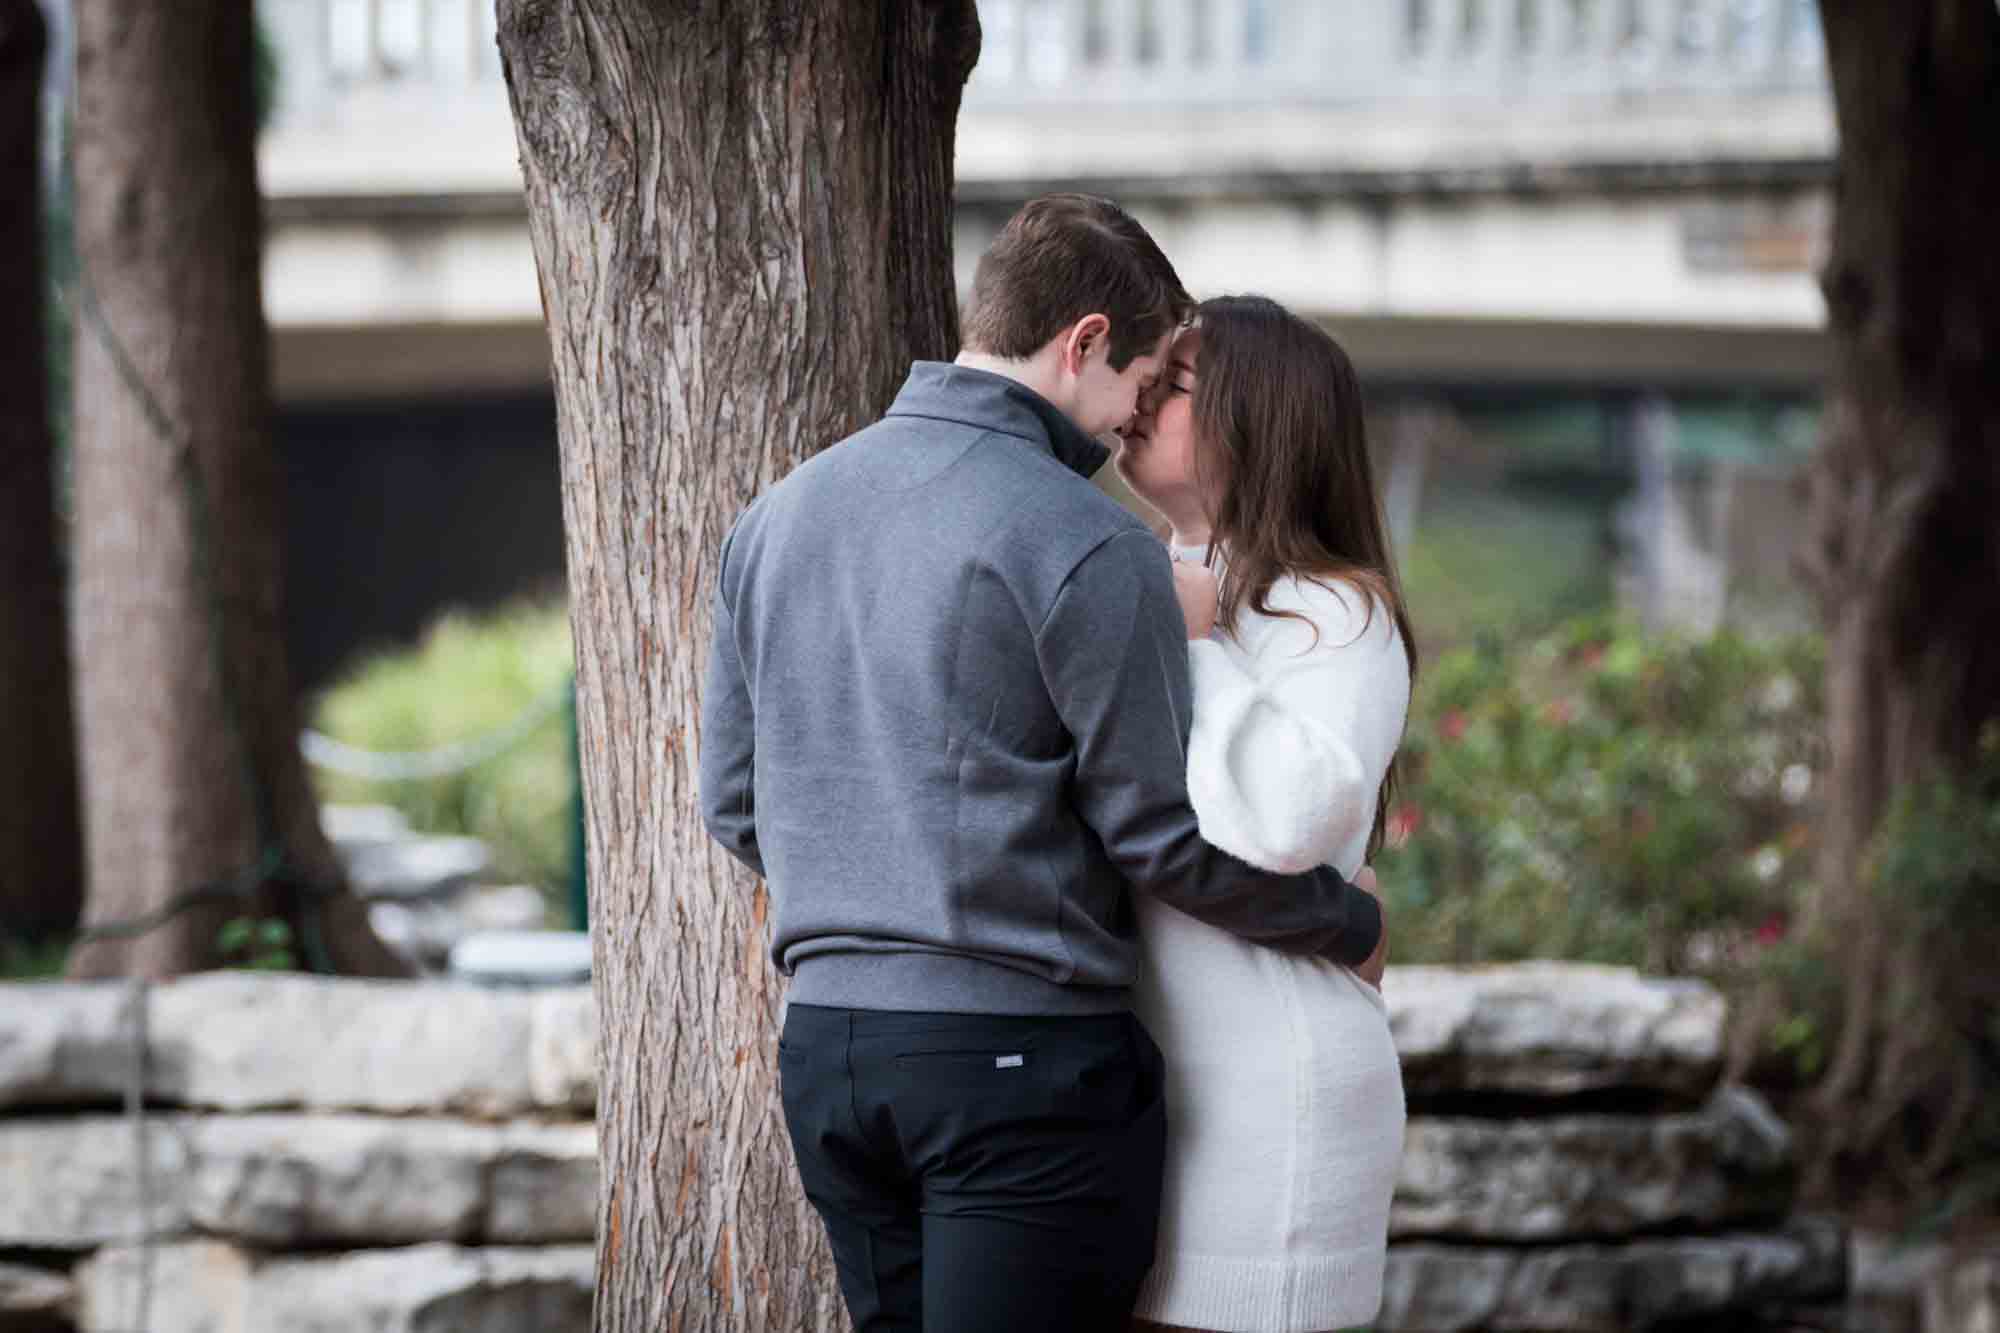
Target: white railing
328 49
388 41
1201 51
1213 51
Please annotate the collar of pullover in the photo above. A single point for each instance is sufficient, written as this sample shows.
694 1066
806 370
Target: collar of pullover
948 392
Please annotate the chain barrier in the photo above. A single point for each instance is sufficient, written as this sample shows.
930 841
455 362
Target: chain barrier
323 751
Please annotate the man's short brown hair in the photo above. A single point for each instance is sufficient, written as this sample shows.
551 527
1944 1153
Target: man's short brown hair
1064 256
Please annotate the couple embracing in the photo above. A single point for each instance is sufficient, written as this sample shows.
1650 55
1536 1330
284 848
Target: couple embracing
1063 822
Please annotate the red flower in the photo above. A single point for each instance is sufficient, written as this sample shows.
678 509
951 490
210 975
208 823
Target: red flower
1452 725
1774 928
1404 821
1592 657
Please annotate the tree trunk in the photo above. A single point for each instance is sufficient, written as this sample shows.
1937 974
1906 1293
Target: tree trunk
41 843
742 219
1905 491
186 714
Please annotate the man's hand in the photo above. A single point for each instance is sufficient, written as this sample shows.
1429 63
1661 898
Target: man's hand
1195 586
1371 970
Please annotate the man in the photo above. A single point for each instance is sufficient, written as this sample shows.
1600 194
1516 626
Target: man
945 717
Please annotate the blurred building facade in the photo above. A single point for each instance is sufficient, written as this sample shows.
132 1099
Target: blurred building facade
1566 239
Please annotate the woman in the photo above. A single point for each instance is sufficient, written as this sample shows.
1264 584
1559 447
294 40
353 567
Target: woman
1284 1095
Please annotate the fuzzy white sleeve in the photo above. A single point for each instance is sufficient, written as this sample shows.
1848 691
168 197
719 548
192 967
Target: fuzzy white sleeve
1286 758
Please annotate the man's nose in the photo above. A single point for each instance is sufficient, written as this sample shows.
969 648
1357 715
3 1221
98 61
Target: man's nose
1139 406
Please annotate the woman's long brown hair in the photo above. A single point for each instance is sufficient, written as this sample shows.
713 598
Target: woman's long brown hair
1277 407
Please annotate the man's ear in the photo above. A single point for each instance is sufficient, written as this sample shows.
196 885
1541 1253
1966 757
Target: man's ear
1084 337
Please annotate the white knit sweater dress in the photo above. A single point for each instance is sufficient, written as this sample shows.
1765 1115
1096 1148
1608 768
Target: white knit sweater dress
1284 1095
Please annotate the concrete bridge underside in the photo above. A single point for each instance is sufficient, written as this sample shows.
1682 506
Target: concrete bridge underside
1709 282
1570 191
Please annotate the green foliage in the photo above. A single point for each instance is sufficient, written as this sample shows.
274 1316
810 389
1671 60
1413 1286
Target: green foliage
256 944
1936 860
1592 793
1933 875
32 960
1503 562
470 677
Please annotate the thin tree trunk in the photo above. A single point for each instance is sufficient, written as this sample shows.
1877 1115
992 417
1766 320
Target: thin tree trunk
1905 491
742 219
41 842
187 718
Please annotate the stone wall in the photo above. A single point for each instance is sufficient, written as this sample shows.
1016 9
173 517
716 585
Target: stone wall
348 1155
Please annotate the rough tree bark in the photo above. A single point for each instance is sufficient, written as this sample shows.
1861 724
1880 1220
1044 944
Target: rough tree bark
1905 491
741 214
41 842
187 719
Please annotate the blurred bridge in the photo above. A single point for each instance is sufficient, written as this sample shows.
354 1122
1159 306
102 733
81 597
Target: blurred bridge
1577 192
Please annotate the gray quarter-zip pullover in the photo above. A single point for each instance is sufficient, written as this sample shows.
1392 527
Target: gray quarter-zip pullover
946 717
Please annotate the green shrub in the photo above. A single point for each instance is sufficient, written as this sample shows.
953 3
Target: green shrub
470 677
1933 875
1503 561
1596 794
32 960
257 944
1936 858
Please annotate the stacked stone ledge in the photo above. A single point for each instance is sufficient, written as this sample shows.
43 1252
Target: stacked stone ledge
1573 1162
364 1155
